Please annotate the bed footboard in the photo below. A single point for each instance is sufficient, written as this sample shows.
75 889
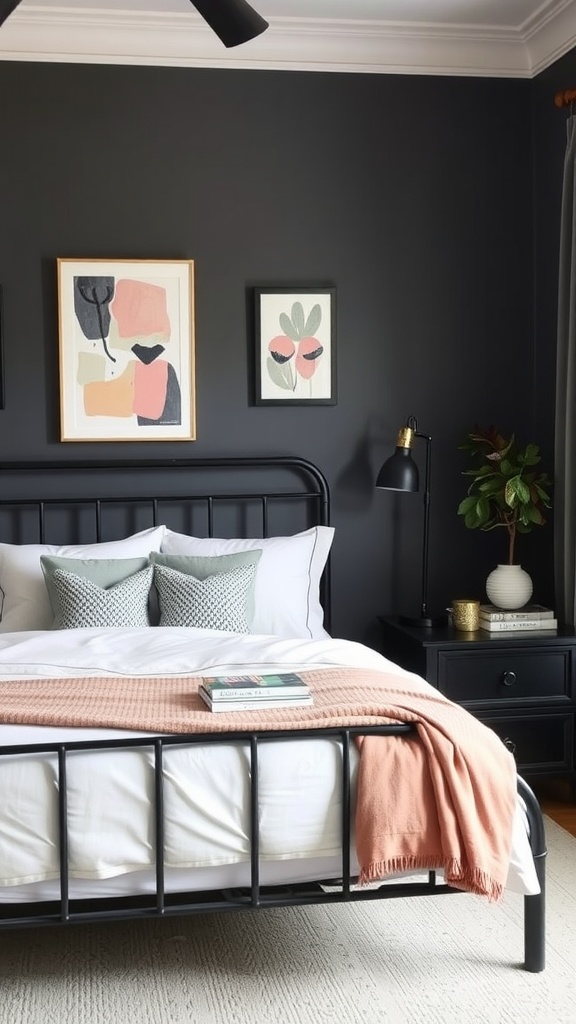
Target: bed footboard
328 890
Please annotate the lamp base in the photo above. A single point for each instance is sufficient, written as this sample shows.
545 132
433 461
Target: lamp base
423 622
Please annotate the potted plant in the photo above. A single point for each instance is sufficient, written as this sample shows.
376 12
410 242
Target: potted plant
505 491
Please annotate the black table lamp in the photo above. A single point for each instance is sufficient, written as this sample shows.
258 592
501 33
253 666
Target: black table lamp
400 473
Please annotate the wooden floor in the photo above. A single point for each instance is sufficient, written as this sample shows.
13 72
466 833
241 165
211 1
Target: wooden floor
557 800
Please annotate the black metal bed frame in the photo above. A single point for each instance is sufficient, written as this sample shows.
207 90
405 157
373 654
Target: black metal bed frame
67 910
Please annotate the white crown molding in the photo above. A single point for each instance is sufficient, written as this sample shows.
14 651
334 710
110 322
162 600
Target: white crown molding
64 34
551 36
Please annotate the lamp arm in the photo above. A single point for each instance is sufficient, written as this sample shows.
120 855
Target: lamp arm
428 439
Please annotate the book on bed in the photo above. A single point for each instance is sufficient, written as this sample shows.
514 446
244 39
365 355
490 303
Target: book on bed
229 693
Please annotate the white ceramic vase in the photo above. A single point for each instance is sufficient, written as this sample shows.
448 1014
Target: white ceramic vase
509 586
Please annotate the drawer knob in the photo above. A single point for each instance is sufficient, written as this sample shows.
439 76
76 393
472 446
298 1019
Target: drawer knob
509 744
509 678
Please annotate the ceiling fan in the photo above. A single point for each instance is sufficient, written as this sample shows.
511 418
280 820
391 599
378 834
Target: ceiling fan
233 21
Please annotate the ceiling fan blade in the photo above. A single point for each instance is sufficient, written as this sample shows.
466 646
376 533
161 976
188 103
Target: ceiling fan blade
6 8
233 21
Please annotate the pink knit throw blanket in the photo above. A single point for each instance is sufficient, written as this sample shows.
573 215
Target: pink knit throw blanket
443 797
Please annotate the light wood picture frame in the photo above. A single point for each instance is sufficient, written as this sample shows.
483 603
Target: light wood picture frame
126 350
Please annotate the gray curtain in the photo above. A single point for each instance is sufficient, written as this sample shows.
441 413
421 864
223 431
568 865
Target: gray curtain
565 436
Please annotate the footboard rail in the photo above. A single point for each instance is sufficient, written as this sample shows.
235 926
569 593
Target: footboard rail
67 910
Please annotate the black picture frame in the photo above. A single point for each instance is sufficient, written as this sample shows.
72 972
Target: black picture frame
295 345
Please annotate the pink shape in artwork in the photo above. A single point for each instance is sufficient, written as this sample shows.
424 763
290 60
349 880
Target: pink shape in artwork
139 309
150 383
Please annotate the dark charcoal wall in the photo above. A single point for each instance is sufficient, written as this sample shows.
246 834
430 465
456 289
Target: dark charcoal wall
412 195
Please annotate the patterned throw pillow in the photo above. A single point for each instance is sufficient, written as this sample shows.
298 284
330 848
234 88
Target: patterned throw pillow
216 602
105 572
202 566
82 603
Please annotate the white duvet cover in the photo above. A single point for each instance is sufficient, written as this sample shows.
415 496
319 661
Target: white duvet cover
111 832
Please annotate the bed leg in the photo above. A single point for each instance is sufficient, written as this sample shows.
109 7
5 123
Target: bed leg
535 906
535 923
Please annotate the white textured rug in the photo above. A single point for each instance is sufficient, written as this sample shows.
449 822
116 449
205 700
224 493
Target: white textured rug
443 960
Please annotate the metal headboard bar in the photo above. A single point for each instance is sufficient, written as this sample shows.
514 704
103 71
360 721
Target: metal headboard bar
314 490
241 461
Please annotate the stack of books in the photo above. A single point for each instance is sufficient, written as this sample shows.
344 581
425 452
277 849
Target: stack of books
255 692
530 617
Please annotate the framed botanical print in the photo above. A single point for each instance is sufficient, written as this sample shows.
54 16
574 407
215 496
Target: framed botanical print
126 345
295 346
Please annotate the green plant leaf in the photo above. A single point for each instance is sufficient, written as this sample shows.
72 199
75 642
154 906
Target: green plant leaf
466 505
531 455
507 469
490 486
516 492
288 327
534 515
542 494
486 470
471 520
313 322
483 509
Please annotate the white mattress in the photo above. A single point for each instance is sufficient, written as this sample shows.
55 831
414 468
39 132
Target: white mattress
206 787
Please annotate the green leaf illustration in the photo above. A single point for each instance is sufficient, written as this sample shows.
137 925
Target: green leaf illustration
280 374
288 327
313 321
298 319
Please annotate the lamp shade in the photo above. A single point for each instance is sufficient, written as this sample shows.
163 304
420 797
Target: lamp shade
399 472
233 21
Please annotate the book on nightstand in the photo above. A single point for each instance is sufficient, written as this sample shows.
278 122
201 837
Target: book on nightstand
517 625
528 611
251 692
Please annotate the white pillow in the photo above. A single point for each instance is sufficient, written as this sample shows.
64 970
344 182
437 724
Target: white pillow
286 594
23 593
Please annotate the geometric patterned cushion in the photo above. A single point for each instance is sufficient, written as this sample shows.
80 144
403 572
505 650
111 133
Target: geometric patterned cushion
106 572
216 602
82 604
202 566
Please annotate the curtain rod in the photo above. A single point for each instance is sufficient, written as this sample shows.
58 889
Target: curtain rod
565 97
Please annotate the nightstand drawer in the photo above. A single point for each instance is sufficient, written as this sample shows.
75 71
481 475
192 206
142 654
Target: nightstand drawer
506 675
540 742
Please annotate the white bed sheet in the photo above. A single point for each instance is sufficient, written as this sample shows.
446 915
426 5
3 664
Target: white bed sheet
207 786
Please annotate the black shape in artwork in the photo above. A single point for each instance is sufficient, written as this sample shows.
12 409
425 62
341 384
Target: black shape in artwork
92 298
147 354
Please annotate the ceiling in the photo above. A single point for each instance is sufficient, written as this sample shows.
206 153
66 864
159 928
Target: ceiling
498 38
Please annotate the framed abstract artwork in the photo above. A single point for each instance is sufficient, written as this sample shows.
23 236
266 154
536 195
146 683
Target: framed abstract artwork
295 341
126 337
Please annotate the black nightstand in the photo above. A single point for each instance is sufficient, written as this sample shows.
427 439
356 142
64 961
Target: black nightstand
523 685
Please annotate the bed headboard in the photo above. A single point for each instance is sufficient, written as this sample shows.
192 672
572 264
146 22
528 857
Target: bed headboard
91 501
